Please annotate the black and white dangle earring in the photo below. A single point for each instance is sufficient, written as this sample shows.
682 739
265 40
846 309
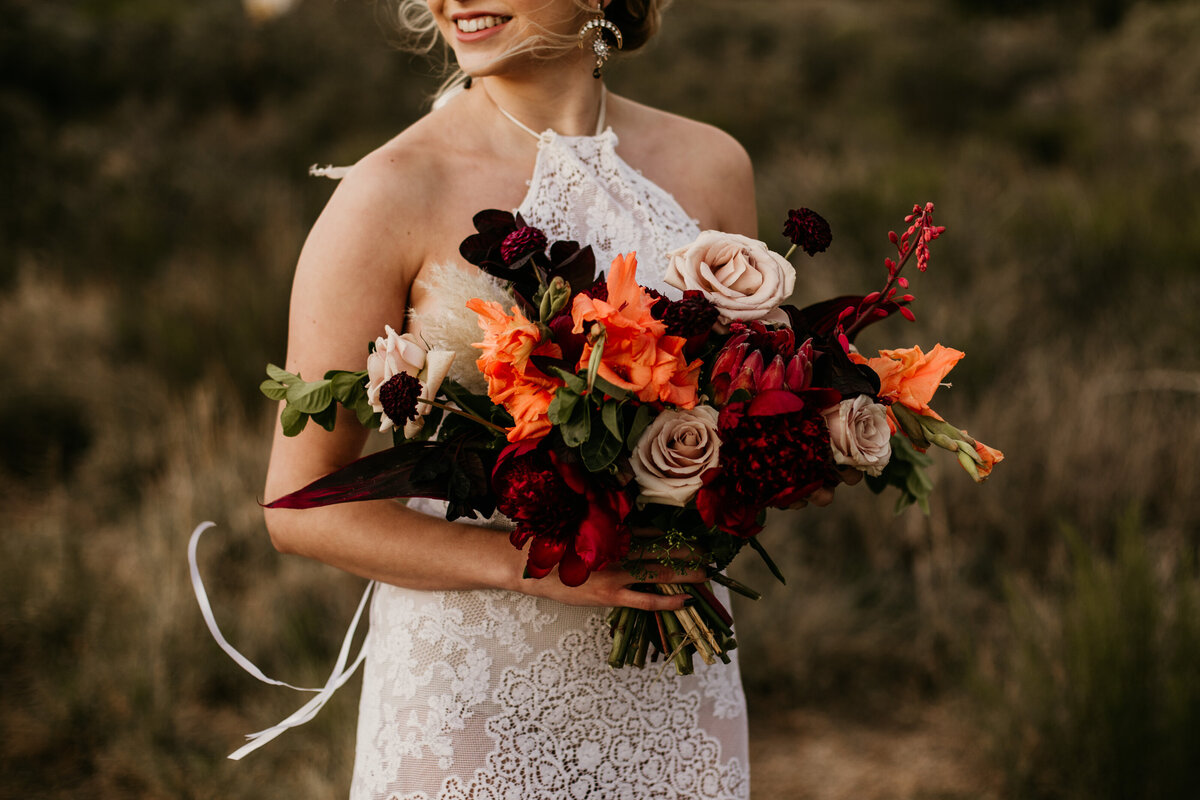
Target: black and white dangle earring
595 29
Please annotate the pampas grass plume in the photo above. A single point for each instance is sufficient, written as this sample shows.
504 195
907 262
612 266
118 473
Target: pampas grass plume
450 326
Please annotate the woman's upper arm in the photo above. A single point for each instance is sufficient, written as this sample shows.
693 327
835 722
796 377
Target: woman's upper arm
352 278
738 211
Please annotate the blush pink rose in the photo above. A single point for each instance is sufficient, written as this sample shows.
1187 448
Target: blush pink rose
396 353
859 434
741 276
673 453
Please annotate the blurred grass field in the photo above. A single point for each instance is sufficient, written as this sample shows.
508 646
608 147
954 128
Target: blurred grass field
1037 637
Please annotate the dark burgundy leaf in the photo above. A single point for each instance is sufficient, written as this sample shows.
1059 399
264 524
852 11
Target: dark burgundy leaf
408 470
819 319
834 369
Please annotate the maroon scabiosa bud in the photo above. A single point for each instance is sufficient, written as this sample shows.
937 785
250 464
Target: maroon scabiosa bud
398 396
808 230
521 243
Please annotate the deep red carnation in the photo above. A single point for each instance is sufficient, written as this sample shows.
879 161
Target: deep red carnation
521 243
568 519
398 396
692 316
598 290
774 452
808 230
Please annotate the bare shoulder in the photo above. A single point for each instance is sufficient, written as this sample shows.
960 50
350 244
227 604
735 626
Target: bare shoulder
707 170
363 253
385 196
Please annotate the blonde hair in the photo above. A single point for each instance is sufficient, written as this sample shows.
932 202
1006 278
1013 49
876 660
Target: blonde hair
417 32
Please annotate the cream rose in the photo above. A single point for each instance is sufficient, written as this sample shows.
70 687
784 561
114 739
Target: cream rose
673 453
742 277
859 434
396 353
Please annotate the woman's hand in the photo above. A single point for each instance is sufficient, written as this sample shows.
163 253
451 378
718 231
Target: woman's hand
611 587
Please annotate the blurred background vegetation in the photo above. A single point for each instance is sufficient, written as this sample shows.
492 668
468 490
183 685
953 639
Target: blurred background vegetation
1041 634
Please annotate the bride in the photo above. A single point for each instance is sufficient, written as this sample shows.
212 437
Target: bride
479 683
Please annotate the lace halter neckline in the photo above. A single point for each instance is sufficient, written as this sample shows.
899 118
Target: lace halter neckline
582 190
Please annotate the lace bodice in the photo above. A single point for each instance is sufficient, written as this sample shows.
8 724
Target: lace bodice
583 191
581 184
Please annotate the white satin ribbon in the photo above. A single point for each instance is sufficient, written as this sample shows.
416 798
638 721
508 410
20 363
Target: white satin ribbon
341 673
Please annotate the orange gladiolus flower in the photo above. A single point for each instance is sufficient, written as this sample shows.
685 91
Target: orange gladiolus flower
910 377
991 457
638 355
513 380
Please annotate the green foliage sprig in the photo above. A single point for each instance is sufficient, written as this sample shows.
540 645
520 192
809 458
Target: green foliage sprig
318 400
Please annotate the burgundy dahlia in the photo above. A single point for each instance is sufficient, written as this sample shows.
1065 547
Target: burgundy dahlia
808 230
398 396
521 243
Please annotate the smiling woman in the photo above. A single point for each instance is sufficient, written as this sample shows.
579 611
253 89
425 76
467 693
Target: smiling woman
480 682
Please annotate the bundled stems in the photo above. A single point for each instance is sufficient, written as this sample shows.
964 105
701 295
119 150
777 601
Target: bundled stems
702 628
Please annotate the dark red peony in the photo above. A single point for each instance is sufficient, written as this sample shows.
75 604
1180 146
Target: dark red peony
568 520
774 452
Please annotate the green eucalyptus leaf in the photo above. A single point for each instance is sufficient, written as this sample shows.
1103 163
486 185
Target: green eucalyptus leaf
575 383
367 417
327 417
610 389
641 420
282 375
273 389
578 428
310 398
918 483
293 421
600 451
562 406
347 386
610 413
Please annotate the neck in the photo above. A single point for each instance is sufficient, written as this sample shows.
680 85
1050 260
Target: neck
564 100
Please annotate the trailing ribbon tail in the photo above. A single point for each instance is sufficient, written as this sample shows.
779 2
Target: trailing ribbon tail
340 674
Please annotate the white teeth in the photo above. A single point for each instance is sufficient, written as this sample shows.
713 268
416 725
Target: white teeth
480 23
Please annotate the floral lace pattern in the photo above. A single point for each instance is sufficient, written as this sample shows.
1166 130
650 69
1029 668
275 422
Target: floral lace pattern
490 695
580 184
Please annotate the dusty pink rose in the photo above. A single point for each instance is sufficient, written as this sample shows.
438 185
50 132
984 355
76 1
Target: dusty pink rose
859 434
742 277
673 453
396 353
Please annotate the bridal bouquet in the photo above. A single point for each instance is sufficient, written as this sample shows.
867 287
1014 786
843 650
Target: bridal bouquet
619 426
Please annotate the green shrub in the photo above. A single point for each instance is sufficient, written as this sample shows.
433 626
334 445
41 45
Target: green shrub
1101 694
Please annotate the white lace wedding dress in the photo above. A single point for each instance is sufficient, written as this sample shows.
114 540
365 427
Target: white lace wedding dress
493 695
